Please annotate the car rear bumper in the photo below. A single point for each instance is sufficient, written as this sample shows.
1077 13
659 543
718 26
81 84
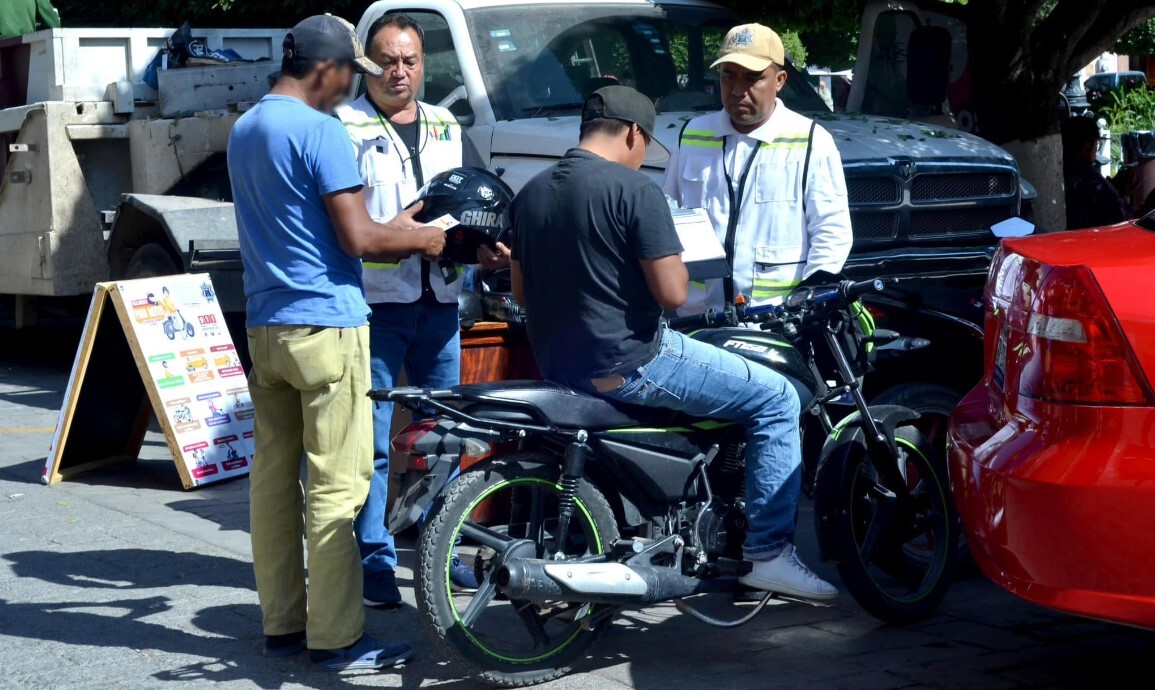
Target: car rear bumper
1057 503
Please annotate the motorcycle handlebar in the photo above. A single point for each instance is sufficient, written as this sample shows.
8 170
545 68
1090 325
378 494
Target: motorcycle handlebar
800 300
846 291
865 287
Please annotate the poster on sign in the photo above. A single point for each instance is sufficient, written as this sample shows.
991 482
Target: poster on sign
199 382
156 347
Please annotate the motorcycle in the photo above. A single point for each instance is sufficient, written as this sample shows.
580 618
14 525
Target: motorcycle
571 507
171 329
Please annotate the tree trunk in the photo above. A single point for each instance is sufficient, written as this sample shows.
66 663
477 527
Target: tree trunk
1041 164
1018 105
1021 114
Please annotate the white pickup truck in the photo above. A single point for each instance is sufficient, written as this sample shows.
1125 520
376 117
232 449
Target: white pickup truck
107 177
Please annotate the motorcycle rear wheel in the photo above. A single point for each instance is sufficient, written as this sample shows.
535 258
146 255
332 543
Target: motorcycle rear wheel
508 643
906 575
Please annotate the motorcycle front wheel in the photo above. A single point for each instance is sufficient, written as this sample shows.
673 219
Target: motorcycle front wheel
900 559
504 642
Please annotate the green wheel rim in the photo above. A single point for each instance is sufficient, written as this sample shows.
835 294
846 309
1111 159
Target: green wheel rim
941 566
597 544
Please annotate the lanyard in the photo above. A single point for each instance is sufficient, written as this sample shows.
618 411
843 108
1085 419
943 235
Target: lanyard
402 146
736 196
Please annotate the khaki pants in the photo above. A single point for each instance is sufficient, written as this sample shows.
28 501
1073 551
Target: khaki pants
309 388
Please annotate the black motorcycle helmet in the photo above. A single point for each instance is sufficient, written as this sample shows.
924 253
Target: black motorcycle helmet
469 309
477 200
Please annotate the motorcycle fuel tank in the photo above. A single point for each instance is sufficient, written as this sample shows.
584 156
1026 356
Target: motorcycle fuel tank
771 351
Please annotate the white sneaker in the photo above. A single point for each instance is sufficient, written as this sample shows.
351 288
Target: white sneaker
786 574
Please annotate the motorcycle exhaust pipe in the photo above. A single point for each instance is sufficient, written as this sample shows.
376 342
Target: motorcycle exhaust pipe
528 579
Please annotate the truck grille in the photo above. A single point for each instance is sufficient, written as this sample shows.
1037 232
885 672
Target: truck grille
873 190
874 226
957 221
959 186
938 204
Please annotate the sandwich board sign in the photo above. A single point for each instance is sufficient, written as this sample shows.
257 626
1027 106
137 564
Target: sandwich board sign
155 346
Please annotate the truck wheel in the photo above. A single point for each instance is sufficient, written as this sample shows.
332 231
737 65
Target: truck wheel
151 261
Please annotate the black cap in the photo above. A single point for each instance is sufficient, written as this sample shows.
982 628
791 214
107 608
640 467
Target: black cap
628 105
325 37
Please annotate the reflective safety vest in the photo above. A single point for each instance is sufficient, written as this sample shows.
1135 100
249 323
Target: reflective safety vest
792 213
391 185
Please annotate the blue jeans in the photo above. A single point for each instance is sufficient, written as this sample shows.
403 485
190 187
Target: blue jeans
423 338
706 381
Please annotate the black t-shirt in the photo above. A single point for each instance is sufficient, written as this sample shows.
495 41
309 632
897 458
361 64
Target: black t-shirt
580 229
409 133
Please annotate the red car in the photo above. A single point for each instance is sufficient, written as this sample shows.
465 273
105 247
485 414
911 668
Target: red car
1052 457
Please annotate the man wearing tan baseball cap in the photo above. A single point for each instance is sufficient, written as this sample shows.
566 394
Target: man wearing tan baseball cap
771 182
752 46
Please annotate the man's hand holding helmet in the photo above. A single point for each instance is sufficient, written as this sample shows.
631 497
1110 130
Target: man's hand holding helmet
493 258
432 237
471 205
429 240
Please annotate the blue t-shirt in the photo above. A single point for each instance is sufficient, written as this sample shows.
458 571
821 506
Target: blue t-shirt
284 156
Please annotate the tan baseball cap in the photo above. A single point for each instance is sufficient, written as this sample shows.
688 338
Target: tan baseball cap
753 47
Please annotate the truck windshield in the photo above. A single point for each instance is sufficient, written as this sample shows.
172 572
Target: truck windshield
543 60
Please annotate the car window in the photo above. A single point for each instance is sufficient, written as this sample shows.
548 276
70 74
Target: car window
545 63
886 78
1132 80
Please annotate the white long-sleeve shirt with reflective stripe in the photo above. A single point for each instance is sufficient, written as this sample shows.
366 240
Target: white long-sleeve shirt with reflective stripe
779 240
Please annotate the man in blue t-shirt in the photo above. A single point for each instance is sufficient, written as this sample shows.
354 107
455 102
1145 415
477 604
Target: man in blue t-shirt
303 230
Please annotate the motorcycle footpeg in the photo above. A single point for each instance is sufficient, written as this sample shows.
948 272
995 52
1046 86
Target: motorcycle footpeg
732 567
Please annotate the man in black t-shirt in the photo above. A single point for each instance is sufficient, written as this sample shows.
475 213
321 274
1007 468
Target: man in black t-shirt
596 259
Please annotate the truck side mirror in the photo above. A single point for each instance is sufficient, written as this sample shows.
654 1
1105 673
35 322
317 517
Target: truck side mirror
928 66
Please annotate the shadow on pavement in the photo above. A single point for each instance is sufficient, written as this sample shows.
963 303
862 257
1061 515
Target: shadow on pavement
226 504
51 346
131 569
233 636
42 399
29 471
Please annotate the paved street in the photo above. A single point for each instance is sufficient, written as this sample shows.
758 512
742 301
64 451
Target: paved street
121 579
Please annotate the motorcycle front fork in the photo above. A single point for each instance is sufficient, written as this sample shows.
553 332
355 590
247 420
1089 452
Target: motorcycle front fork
883 453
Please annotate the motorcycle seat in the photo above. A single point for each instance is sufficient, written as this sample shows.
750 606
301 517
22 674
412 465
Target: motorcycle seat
543 402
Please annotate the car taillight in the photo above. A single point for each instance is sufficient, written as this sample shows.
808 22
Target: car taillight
1064 344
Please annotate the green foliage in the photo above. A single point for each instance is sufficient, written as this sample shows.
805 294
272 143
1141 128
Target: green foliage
1130 110
1138 41
679 47
831 47
794 47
